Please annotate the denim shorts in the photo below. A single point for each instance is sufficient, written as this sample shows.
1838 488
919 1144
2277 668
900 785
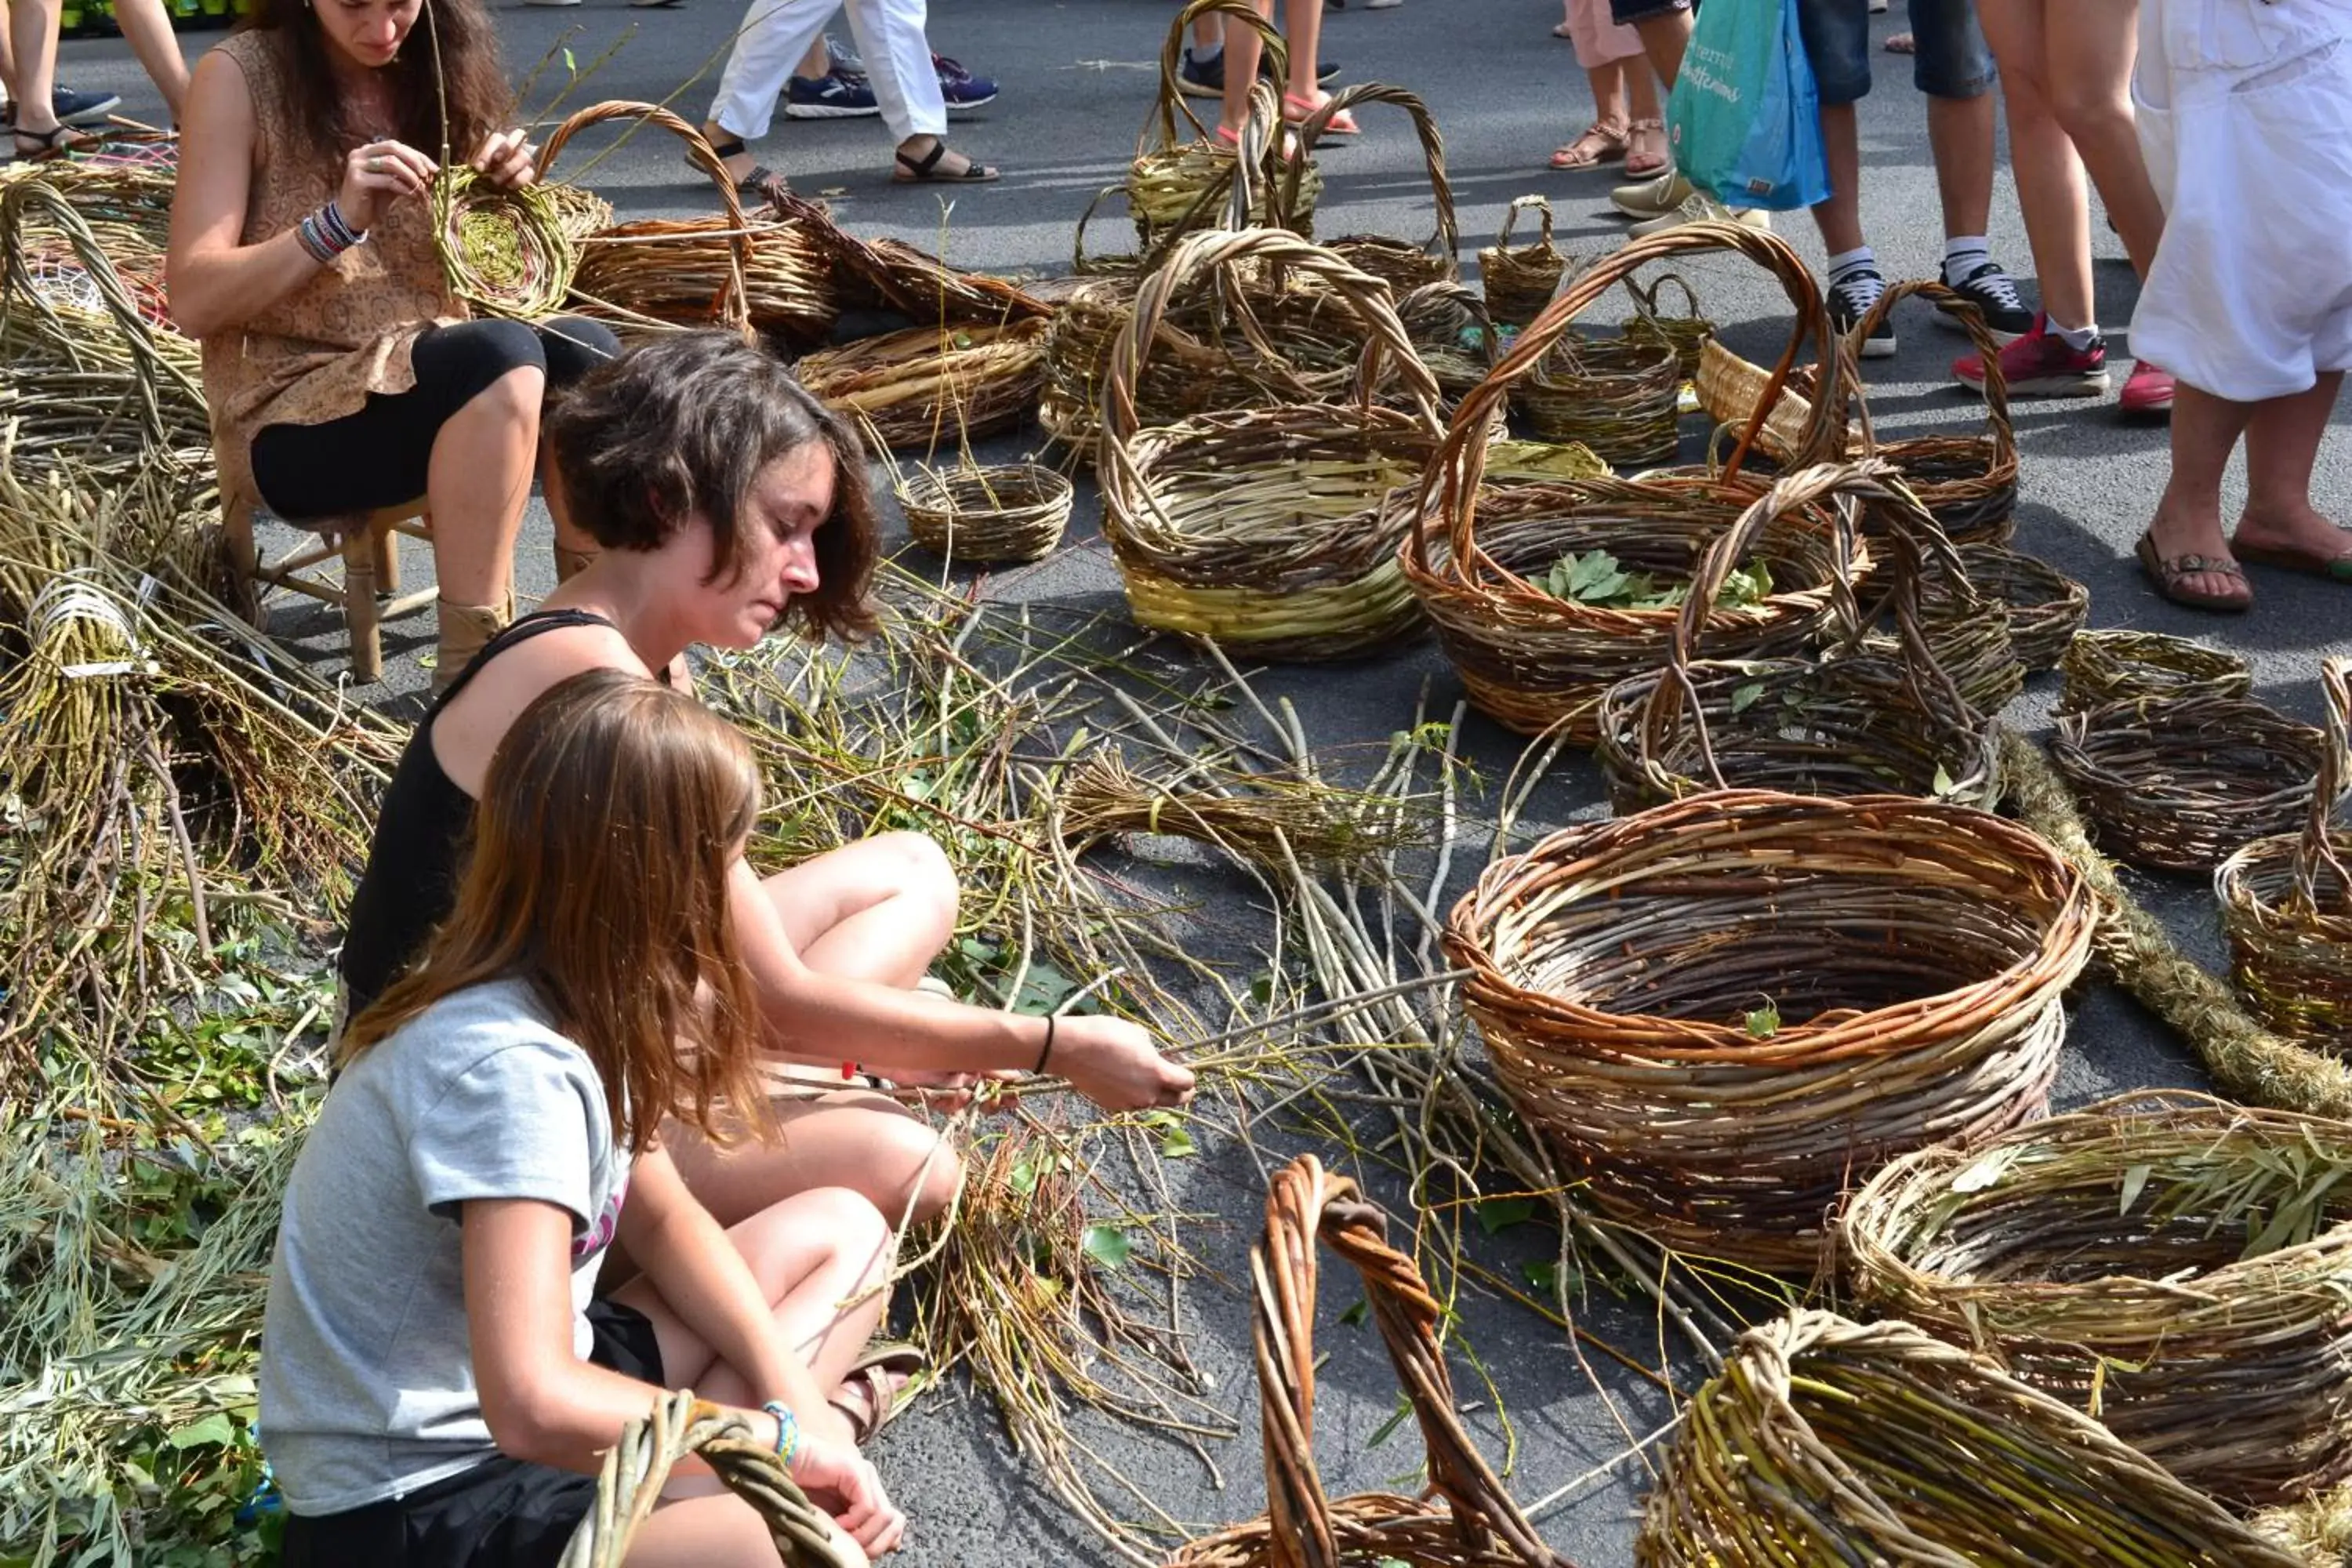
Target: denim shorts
1952 59
1625 13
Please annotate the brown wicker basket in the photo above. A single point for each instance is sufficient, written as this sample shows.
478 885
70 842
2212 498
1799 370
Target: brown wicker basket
1617 395
1520 280
927 386
2119 665
1265 529
1011 512
1827 1442
1464 1519
1723 1011
1180 184
2179 783
1452 333
1688 335
2179 1267
1403 265
1477 553
2286 903
2046 607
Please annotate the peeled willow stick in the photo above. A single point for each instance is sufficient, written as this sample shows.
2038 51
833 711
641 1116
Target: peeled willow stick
2248 1062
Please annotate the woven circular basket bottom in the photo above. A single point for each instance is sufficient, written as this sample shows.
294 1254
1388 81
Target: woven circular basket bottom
1010 512
2183 1265
1725 1010
1827 1442
2111 666
2178 784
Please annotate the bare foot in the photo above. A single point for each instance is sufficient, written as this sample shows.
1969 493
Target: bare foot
866 1396
2299 530
2180 539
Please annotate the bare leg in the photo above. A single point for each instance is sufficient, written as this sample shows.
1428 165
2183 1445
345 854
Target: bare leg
712 1532
1840 217
2050 188
1960 137
1663 39
1302 28
866 1142
148 29
2098 40
2282 444
816 63
2205 429
7 56
479 483
1242 50
1608 83
880 909
32 31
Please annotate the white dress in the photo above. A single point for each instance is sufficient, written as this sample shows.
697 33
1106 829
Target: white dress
2245 116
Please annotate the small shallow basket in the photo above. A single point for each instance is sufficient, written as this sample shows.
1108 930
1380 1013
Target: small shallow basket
2178 784
1464 1519
1400 263
1917 954
1011 512
2286 904
1688 335
1477 552
1844 726
2119 665
2179 1267
1616 396
927 386
1828 1442
2046 607
1265 530
1175 187
1520 280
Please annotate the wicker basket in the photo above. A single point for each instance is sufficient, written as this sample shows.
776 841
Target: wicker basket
1478 552
2046 607
1452 333
1520 280
1828 1442
1856 725
1009 513
928 385
2286 903
1688 335
1616 396
2117 666
2178 785
773 275
1402 264
1723 1011
1464 1519
1180 184
1265 529
2179 1267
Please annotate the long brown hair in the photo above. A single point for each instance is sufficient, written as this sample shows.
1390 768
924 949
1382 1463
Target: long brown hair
473 80
613 813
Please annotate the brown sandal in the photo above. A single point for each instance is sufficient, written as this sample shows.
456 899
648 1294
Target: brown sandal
2169 575
1595 146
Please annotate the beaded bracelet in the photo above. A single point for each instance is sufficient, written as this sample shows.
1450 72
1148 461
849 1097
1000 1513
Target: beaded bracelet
326 234
788 1433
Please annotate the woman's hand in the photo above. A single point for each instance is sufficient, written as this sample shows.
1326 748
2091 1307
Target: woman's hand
506 160
853 1493
379 177
1114 1063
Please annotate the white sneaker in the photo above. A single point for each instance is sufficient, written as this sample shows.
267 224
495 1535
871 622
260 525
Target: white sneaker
1700 207
1653 197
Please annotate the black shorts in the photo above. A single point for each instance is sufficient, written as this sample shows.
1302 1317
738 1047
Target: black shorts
503 1514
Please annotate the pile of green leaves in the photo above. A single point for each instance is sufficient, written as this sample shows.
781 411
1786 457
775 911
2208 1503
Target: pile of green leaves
1598 578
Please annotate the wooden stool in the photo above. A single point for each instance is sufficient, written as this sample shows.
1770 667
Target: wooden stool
368 544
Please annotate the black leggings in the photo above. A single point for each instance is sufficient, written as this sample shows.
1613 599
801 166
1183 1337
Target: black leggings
379 456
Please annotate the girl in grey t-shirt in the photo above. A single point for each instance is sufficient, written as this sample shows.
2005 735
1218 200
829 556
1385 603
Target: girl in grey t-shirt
438 1380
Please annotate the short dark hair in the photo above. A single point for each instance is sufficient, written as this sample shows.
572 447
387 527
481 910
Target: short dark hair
685 424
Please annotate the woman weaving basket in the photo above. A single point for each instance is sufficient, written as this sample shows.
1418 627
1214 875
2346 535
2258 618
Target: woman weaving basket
342 374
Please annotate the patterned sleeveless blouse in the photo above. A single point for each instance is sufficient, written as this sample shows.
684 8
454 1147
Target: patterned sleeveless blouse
317 353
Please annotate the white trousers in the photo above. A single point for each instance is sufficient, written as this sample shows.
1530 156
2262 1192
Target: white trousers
890 39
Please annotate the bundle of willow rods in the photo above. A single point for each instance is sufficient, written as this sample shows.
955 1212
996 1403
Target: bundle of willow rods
1723 1011
506 251
2178 1268
1616 396
1520 280
2120 666
1262 818
2179 783
1008 513
927 385
2286 903
1465 1519
1825 1441
2046 607
1688 335
1478 555
1179 185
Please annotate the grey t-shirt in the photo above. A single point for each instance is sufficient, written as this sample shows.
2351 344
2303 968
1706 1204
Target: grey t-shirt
367 1373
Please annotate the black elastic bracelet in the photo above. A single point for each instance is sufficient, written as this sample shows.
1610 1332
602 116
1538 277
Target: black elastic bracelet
1047 1055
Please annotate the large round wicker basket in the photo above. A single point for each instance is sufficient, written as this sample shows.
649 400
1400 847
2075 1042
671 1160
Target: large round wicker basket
2182 784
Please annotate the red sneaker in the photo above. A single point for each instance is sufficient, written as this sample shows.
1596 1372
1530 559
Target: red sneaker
2148 392
2042 364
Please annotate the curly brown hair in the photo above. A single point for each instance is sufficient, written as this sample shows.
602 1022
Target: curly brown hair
472 82
684 425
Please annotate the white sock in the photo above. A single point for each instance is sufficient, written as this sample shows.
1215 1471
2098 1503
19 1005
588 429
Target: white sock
2079 339
1848 262
1204 53
1963 254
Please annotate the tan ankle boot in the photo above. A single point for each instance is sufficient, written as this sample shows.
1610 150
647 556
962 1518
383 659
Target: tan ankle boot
570 563
466 630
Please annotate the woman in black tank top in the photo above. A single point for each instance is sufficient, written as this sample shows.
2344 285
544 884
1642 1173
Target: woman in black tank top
726 502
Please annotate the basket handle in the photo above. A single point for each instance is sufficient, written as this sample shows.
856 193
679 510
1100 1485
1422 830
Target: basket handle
1303 1201
1171 57
1448 236
2334 775
1645 301
1971 318
1450 484
1078 242
734 304
1511 218
1470 301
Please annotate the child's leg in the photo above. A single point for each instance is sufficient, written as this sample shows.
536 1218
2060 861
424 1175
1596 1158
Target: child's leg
711 1532
2282 445
2051 193
2091 45
1243 47
1836 36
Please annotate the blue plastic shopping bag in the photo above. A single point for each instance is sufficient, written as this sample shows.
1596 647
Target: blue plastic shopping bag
1744 120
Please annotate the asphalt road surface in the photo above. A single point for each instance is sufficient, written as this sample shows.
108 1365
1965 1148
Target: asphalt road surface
1079 82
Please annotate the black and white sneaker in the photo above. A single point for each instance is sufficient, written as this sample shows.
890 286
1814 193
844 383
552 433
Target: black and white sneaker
1994 292
1850 299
